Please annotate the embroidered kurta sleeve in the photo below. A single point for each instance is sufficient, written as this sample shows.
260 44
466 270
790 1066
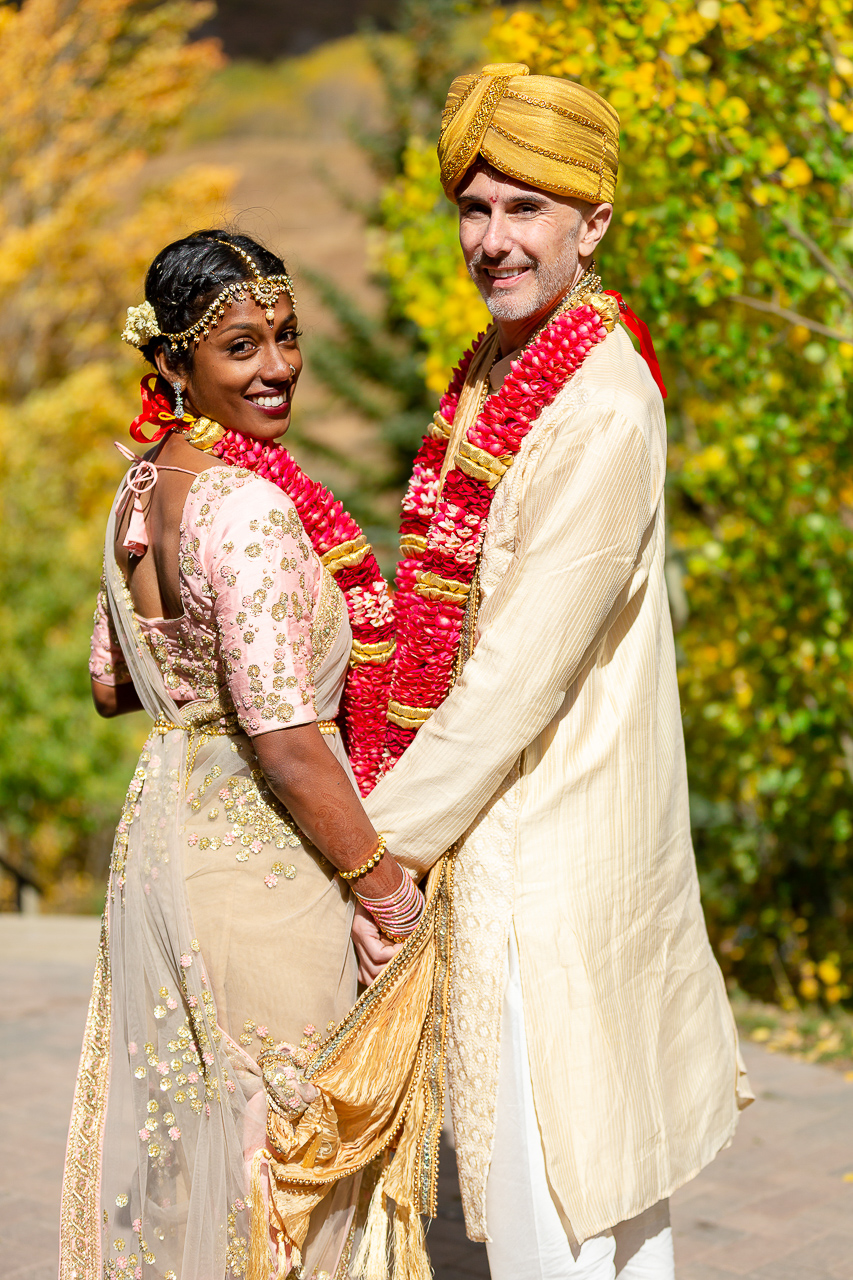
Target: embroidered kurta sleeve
106 660
264 576
580 531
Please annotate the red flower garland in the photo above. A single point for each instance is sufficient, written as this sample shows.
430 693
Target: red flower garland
441 539
340 543
345 551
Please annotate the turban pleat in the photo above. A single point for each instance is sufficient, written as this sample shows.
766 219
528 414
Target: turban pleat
550 133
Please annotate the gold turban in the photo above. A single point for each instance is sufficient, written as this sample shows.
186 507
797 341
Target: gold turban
552 134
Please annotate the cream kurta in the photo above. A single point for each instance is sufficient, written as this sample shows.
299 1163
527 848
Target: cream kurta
560 756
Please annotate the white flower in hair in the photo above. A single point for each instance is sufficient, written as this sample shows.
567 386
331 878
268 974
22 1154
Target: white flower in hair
141 325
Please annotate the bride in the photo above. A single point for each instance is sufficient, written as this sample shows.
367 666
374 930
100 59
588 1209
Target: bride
199 1146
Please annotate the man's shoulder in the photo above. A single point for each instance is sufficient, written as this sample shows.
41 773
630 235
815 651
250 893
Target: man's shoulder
615 379
612 401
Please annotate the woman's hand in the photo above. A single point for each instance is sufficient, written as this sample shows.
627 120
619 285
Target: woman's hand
373 951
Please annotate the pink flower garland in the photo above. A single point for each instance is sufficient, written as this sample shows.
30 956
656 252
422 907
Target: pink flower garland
371 612
429 630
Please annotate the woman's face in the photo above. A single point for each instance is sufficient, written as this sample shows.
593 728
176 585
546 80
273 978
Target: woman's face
245 370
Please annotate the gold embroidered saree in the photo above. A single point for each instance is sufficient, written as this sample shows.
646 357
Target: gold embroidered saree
216 1132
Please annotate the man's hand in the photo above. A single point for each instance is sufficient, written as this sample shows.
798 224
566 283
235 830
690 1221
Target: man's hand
373 951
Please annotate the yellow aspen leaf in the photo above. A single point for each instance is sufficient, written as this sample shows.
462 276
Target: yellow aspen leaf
828 972
733 111
677 45
796 173
777 154
654 18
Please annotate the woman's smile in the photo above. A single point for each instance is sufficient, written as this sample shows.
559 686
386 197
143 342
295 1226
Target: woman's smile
274 404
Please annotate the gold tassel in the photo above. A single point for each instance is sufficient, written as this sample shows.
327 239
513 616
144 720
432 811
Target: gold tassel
411 1261
281 1271
371 1261
259 1236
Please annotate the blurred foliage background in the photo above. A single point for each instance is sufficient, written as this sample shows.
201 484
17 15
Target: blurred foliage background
733 238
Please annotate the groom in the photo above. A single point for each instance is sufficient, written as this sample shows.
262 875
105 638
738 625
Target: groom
593 1058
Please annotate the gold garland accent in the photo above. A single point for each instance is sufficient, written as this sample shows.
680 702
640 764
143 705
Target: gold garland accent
440 428
375 654
204 433
413 544
346 555
607 308
408 717
480 465
433 587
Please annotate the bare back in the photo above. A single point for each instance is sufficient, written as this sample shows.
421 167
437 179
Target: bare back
153 578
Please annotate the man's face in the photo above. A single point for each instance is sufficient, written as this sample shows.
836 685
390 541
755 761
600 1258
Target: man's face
520 244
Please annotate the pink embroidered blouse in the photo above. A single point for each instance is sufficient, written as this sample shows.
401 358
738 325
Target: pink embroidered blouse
250 585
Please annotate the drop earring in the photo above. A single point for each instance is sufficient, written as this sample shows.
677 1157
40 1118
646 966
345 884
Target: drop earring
179 399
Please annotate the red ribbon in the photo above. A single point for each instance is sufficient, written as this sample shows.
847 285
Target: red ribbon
157 408
640 330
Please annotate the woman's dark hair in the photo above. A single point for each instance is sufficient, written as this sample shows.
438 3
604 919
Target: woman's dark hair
187 275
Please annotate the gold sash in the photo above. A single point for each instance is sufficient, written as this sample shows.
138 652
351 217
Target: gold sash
379 1079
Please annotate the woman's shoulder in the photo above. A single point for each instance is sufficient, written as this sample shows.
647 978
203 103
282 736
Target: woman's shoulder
231 506
235 494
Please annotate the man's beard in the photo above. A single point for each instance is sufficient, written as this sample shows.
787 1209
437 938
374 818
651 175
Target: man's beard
551 280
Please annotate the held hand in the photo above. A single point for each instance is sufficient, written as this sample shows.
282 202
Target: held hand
373 951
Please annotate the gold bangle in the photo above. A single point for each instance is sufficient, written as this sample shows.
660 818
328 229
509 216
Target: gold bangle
393 937
372 861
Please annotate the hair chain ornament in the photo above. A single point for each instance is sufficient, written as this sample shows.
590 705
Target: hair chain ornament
142 324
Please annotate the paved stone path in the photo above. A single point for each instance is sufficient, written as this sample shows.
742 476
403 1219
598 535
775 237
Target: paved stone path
775 1206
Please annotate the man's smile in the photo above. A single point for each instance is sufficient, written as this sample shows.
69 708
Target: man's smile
504 277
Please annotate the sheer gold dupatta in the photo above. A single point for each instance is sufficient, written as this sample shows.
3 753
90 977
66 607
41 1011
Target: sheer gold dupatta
371 1096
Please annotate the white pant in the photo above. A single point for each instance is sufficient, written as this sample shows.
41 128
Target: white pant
528 1241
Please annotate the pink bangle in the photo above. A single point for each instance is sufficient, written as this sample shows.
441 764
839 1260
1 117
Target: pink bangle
398 914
